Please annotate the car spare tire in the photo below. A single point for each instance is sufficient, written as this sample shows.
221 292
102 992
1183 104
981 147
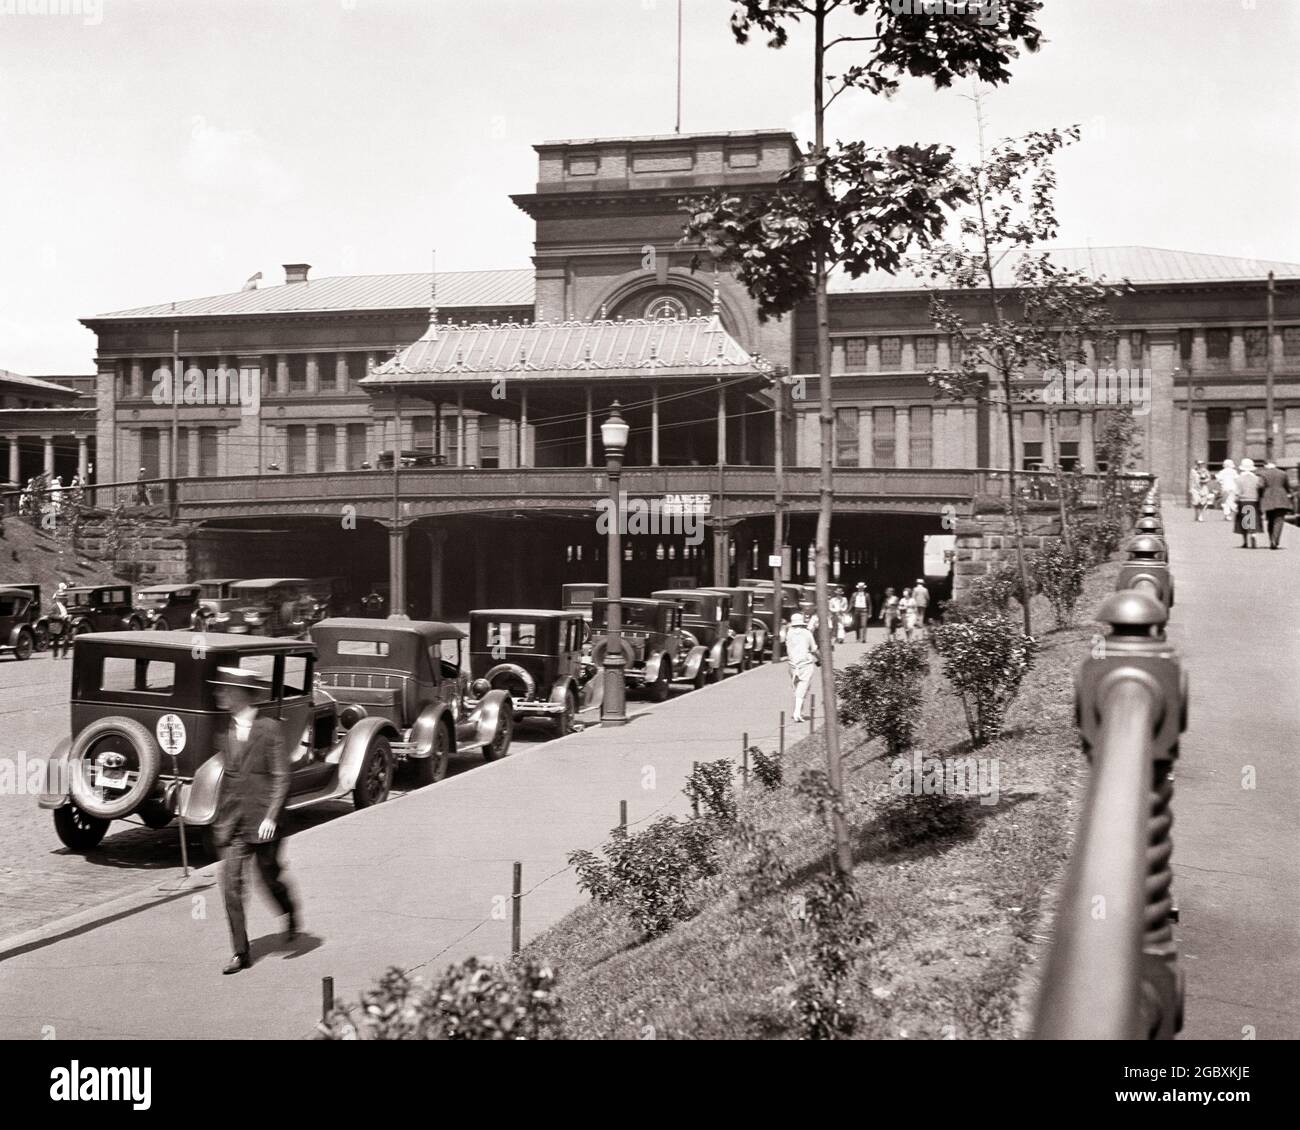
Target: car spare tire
109 749
602 646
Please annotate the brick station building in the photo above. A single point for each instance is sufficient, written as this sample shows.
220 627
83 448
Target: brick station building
515 369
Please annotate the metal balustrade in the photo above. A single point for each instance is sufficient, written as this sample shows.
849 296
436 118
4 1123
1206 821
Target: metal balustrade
1112 972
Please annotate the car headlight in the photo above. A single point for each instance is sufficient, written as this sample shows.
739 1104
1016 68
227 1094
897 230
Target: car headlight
480 687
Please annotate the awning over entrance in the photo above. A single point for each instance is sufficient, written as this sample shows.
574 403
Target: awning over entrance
571 352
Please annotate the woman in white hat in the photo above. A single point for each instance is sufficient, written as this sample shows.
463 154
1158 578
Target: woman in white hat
1248 522
1226 477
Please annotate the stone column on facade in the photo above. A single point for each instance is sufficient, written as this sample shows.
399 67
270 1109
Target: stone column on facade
907 360
939 437
460 427
313 374
49 454
340 372
13 459
873 355
223 452
1164 454
1087 447
523 427
1198 350
472 441
1237 349
839 361
866 438
281 374
1200 434
192 459
902 436
106 409
341 446
942 353
137 378
1237 435
588 433
313 449
165 451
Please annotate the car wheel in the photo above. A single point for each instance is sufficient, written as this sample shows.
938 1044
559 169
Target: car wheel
746 661
564 721
376 775
155 814
161 625
135 624
79 830
659 688
23 648
81 627
135 745
499 746
41 639
432 769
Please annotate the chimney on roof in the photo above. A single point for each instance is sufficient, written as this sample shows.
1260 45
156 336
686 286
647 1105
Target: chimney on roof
296 272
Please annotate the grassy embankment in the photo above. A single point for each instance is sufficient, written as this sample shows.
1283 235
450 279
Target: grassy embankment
30 555
952 917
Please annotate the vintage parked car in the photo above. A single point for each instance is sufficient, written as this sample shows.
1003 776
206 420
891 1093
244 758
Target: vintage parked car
270 606
165 608
40 623
706 616
763 608
215 600
578 597
136 696
409 675
334 597
536 657
745 621
655 650
17 635
99 608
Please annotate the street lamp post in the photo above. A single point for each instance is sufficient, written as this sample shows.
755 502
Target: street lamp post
613 710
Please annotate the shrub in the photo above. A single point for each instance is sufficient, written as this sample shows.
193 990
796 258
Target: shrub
651 874
1059 571
836 929
1099 537
767 767
985 659
710 785
883 692
909 820
472 1001
992 592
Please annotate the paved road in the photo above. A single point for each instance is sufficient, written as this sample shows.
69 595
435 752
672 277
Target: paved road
41 880
1236 624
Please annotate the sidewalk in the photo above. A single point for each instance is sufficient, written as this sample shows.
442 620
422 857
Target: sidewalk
418 882
1236 624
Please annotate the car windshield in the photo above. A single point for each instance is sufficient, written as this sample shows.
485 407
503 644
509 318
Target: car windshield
12 605
511 633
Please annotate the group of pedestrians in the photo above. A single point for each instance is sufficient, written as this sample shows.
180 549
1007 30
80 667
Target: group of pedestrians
46 494
1254 501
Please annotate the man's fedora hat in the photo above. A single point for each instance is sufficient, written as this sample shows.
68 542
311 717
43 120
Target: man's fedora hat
240 679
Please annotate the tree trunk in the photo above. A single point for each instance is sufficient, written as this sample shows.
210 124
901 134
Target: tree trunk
843 854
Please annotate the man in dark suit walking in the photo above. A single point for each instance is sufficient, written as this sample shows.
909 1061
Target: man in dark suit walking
1275 502
254 789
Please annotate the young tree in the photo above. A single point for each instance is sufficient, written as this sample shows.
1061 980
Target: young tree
848 206
1046 318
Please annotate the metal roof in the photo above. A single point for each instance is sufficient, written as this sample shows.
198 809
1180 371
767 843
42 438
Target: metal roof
1140 265
182 641
631 346
529 613
7 377
354 292
429 629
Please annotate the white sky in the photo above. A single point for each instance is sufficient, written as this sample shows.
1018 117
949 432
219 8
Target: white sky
174 148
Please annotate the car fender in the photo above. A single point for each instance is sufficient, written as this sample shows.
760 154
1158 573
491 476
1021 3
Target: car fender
718 655
56 787
354 747
484 720
426 727
652 664
695 659
198 802
562 687
11 640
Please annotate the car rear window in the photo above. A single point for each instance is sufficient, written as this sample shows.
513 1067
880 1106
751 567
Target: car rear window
376 649
511 633
12 605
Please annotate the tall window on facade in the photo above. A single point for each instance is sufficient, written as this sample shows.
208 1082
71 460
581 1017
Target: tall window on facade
356 446
1256 346
1218 423
422 432
1067 439
1291 342
927 350
846 437
1031 441
182 452
326 448
891 352
855 354
207 451
882 437
1185 348
149 452
1217 345
920 445
295 449
297 372
489 442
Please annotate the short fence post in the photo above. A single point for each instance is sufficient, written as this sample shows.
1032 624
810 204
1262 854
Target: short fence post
326 997
780 745
516 902
744 758
695 796
812 712
622 814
